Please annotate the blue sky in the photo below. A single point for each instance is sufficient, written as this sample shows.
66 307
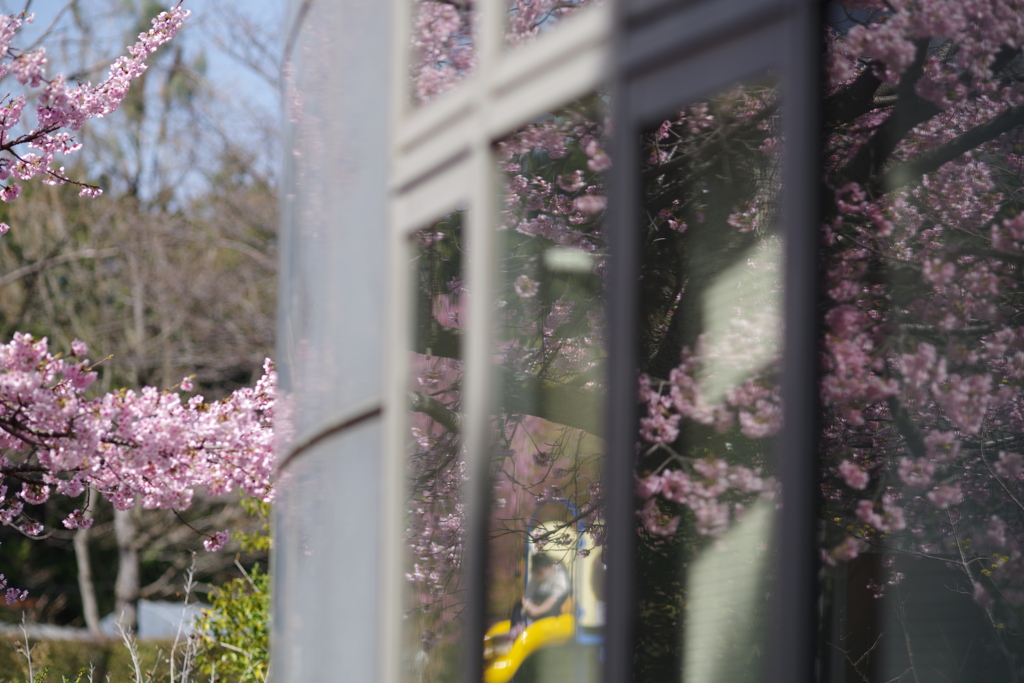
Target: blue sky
224 72
244 105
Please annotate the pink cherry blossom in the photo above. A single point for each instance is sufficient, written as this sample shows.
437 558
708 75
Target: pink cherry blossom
525 287
995 531
216 542
77 520
941 446
849 549
944 496
145 447
890 517
62 110
853 475
917 474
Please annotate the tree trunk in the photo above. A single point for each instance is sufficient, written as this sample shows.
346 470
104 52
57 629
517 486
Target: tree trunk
126 589
85 584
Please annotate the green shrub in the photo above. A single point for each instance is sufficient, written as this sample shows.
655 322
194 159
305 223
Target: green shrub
230 646
234 638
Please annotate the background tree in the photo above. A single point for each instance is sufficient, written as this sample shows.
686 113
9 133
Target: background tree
174 275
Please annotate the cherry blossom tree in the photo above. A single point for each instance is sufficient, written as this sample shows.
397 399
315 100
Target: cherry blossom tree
146 447
922 389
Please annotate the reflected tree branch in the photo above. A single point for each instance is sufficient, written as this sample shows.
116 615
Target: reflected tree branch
927 162
436 410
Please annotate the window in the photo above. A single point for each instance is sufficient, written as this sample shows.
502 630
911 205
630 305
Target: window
583 386
498 437
518 146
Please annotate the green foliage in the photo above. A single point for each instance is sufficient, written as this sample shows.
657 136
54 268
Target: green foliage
259 540
232 641
234 638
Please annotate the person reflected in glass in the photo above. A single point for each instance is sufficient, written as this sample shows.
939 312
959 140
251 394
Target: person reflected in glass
545 593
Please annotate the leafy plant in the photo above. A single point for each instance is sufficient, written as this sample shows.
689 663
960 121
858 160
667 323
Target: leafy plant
234 634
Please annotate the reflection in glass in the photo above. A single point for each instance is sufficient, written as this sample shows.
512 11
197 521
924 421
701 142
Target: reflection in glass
529 18
922 478
443 51
435 594
710 354
545 590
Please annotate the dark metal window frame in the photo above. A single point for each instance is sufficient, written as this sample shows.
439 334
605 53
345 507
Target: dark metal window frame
666 55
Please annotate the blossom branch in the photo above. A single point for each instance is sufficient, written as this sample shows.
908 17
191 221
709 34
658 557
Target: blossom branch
930 161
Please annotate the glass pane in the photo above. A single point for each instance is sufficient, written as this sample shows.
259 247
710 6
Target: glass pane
529 18
442 47
435 595
922 527
545 606
710 355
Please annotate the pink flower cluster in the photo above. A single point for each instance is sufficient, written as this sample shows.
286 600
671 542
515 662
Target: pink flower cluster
444 42
756 404
61 108
713 490
11 595
442 47
145 447
978 27
216 541
436 515
923 354
889 517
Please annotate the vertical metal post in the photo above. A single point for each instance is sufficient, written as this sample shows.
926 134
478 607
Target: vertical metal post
479 390
392 480
621 406
794 618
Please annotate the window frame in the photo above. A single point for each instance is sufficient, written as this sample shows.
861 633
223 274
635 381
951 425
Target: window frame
652 55
669 54
442 158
